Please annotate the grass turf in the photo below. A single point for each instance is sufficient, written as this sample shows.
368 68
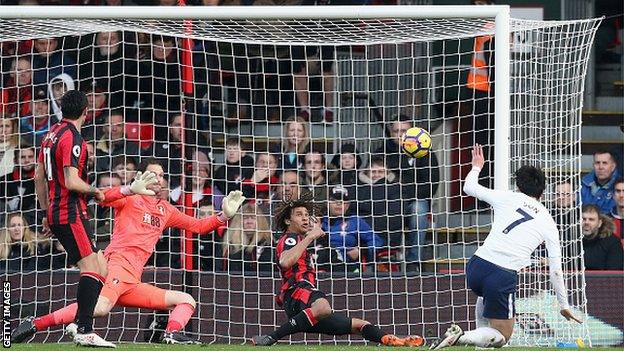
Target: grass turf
221 347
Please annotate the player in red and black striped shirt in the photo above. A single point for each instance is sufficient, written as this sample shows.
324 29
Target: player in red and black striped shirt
307 307
60 182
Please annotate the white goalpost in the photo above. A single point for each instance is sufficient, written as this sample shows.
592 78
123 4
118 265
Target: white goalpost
190 83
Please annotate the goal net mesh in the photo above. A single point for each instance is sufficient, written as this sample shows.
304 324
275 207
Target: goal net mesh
261 105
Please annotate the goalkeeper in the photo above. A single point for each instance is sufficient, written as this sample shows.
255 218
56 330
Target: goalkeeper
307 308
140 219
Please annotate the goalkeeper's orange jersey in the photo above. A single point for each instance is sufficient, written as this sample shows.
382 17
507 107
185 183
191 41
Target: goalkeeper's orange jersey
139 223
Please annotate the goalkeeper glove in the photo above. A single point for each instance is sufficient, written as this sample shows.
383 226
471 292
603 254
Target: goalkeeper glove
232 203
142 181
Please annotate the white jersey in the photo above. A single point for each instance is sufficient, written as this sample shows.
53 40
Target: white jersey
521 224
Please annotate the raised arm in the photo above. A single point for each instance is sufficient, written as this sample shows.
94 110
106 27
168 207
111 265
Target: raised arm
291 255
115 197
471 184
201 226
231 204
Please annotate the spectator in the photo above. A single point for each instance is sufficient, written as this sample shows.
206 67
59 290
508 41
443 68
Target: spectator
602 250
314 61
380 202
16 95
35 126
103 215
617 213
258 186
18 245
247 244
199 184
114 143
565 210
159 85
125 168
238 166
296 141
107 63
50 61
17 189
209 249
597 186
419 178
169 152
349 233
567 214
57 87
9 139
315 175
288 186
96 116
345 165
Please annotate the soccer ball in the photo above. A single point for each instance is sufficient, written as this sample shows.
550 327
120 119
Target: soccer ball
416 142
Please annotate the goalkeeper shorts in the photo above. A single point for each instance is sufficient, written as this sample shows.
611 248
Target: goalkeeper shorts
123 289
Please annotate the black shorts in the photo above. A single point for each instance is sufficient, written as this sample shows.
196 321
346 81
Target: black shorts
300 297
75 239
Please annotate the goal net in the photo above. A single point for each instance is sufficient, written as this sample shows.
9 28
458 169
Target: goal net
290 102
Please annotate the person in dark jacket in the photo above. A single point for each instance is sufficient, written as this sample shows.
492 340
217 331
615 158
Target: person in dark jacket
567 214
108 62
344 166
603 250
50 61
380 202
419 178
159 85
114 143
238 166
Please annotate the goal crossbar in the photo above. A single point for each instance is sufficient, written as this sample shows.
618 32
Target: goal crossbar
251 13
499 12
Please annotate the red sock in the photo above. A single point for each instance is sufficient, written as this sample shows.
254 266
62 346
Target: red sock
179 317
62 316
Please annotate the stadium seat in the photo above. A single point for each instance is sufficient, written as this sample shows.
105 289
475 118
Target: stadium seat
141 132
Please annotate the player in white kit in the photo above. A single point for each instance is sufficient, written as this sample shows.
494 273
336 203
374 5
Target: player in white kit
521 224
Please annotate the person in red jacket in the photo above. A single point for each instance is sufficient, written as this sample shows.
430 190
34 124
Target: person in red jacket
140 218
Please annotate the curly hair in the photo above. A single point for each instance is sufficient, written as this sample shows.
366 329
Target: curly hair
284 209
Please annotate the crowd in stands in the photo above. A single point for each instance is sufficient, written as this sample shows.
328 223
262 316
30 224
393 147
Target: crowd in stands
377 204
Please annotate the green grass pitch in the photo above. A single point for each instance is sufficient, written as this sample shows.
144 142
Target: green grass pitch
46 347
